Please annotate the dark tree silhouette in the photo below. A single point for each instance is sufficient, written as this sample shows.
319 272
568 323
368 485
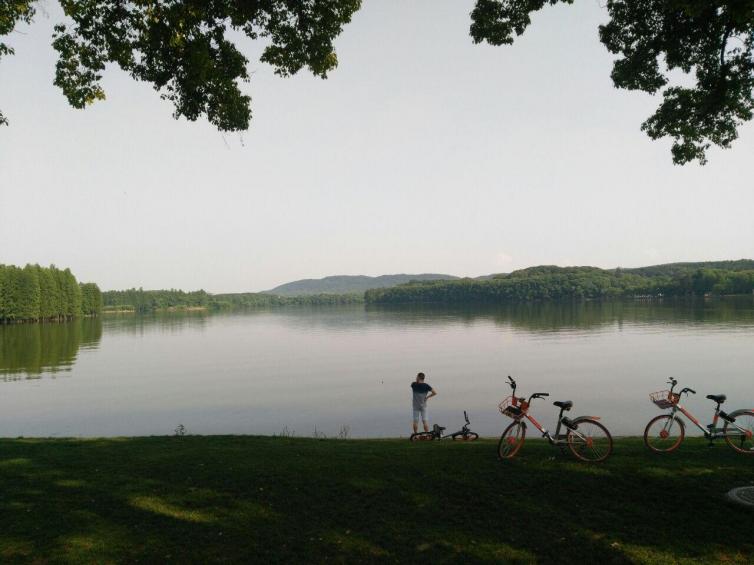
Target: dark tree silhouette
185 48
708 40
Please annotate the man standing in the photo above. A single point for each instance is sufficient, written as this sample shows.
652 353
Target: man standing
421 393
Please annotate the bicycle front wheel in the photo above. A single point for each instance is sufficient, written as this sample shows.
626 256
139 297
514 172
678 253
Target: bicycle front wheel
512 440
740 434
470 436
590 441
664 434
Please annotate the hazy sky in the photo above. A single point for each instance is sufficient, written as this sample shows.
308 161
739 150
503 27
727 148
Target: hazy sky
421 153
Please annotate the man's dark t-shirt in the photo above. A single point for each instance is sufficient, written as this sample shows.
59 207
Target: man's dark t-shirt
421 390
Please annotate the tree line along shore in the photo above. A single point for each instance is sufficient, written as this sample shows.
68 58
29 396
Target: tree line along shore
143 301
535 284
44 294
35 293
578 283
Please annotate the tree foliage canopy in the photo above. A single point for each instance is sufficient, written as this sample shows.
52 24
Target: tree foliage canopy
140 300
578 283
709 40
35 293
10 14
186 49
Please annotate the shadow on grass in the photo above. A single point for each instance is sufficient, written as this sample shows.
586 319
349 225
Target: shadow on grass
237 499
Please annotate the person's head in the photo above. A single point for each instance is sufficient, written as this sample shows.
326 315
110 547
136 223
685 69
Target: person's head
420 378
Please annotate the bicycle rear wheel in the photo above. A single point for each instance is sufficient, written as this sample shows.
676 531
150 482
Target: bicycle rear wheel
742 440
590 441
512 440
422 436
664 433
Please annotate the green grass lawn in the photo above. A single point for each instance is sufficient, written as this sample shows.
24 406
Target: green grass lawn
238 499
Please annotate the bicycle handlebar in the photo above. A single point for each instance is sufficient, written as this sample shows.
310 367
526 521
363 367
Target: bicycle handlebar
511 382
691 390
539 395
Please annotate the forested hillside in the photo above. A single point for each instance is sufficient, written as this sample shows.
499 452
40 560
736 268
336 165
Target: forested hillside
35 293
579 283
672 269
38 293
347 284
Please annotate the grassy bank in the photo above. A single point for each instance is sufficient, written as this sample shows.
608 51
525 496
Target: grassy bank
234 499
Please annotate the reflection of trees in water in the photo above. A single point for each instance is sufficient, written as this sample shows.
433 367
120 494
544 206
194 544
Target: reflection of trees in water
542 317
545 317
592 315
162 322
28 350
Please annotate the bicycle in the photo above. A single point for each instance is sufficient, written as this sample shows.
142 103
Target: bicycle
586 438
464 434
666 432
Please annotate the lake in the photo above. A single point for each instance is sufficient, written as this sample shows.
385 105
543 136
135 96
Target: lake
300 370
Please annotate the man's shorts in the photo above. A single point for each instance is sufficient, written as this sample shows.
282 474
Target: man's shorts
420 412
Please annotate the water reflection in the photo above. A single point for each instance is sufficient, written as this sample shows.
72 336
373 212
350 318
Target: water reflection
260 371
160 322
31 350
731 312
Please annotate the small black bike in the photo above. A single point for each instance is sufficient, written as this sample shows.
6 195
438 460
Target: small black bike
464 434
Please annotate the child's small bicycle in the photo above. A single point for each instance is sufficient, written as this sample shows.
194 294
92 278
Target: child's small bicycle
586 438
464 434
666 432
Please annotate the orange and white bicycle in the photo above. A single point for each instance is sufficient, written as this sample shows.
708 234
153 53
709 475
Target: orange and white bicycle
666 432
584 436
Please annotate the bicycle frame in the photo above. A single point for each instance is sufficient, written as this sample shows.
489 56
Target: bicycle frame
558 438
438 434
586 438
711 432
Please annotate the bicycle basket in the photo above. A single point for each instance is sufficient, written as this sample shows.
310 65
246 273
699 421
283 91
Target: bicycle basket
665 399
509 407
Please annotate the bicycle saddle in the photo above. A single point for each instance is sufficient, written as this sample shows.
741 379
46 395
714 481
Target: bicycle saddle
719 398
564 404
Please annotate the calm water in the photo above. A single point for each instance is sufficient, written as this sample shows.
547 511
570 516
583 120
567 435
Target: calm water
261 372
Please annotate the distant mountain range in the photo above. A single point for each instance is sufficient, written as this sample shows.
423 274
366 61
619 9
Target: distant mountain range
348 284
550 282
